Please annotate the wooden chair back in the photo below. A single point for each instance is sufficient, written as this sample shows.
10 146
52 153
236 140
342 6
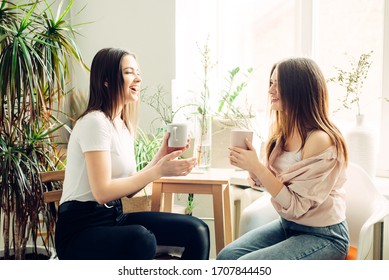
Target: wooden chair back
163 252
52 176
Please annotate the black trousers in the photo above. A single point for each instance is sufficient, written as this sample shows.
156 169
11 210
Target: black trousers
90 231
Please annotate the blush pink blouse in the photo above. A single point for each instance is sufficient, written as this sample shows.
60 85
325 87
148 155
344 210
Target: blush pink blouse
312 193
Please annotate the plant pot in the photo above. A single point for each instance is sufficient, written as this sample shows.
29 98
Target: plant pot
362 146
221 131
41 254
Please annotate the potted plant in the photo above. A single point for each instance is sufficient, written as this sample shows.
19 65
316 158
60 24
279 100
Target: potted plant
228 111
203 113
360 138
214 124
353 81
37 48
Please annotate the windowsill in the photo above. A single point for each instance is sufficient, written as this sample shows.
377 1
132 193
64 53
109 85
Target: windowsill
239 178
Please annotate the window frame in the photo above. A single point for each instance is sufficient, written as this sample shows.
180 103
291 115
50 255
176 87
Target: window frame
383 161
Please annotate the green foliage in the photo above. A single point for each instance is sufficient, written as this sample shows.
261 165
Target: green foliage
236 83
190 204
146 146
353 81
207 65
231 114
233 90
37 47
157 102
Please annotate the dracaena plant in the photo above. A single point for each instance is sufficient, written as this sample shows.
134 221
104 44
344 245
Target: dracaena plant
37 47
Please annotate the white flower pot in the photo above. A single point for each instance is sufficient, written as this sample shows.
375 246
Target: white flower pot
362 146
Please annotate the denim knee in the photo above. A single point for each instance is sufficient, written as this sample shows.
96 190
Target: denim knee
229 253
223 254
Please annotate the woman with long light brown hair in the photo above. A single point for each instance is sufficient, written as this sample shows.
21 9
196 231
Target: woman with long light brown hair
304 172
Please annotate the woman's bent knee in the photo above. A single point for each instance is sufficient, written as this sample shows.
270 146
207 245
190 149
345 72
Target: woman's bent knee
142 244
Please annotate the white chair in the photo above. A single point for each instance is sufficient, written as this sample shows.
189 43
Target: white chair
258 213
366 211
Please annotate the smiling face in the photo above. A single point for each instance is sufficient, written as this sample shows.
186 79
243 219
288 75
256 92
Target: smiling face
274 93
131 79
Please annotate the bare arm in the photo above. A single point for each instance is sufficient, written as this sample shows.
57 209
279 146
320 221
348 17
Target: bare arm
316 143
105 189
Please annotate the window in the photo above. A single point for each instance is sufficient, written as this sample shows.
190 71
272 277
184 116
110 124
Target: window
355 29
348 30
251 33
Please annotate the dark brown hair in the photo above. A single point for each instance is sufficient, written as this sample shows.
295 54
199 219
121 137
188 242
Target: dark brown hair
106 86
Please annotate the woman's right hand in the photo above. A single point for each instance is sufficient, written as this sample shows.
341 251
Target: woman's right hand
165 149
170 166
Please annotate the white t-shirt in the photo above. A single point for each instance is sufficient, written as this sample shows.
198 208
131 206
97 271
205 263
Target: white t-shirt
95 132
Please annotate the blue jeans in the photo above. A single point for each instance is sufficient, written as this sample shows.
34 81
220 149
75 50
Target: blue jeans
285 240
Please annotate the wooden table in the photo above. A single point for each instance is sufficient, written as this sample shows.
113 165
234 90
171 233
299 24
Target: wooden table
215 182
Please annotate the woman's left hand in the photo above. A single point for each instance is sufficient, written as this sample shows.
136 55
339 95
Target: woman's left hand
245 159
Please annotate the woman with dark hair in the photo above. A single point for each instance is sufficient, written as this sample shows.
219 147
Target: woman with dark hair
101 169
306 157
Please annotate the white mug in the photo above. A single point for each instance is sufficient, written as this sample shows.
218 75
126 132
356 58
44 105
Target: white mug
238 136
178 135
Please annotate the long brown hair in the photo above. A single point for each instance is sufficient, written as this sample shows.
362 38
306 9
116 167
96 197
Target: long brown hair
304 99
106 70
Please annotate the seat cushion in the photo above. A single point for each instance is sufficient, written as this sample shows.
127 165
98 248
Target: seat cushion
352 253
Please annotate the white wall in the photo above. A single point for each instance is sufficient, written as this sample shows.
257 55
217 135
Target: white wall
146 28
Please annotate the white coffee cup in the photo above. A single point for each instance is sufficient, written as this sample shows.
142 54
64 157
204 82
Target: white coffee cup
178 134
238 136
